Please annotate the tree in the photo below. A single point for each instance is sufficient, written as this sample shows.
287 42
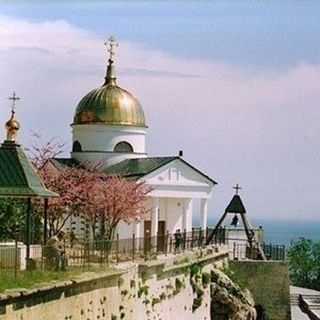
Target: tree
102 200
11 217
114 199
304 263
65 181
40 152
13 221
70 183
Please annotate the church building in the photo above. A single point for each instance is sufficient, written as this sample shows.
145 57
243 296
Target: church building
109 128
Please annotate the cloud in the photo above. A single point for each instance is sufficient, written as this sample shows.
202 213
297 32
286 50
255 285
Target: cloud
157 73
253 126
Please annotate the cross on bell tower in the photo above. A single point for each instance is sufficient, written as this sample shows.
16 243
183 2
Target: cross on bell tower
237 188
112 43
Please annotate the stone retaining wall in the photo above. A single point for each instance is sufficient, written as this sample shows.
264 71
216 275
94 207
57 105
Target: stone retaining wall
268 281
156 290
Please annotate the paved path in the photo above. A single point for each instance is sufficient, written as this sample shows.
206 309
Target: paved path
296 313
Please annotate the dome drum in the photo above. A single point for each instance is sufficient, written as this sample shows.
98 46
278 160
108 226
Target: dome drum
108 139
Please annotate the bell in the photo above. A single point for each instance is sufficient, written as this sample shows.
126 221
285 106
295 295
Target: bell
235 221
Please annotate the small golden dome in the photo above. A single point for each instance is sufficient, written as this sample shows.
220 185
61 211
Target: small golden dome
12 127
109 104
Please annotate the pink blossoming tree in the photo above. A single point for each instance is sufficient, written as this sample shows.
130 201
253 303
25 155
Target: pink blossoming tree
102 200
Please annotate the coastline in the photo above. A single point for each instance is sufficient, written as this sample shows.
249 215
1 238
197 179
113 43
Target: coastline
282 232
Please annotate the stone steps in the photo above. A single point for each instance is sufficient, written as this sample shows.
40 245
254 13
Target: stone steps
294 299
311 305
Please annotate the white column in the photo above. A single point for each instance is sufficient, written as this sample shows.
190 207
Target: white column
137 229
187 215
203 213
155 217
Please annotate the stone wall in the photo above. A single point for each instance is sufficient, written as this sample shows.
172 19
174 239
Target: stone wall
159 289
268 281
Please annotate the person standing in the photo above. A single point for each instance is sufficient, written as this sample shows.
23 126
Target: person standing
178 240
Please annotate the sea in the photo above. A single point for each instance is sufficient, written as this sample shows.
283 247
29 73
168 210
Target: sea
283 232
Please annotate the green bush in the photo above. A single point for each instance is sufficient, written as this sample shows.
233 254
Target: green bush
195 270
206 279
234 278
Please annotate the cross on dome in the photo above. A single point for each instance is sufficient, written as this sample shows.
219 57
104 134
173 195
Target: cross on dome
237 188
14 98
112 43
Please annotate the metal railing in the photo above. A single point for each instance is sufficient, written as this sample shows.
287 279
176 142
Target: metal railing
241 251
310 304
86 253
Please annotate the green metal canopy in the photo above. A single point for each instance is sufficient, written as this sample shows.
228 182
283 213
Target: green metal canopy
18 178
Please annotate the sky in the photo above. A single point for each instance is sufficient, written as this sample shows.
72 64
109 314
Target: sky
234 84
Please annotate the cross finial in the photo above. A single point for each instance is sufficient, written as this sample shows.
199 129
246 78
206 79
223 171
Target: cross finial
237 188
14 98
112 43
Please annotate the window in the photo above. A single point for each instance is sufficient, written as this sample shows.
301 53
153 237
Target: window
76 146
123 147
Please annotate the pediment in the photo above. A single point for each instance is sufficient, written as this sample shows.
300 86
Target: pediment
178 172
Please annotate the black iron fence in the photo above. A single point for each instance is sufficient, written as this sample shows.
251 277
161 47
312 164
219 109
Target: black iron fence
85 253
242 250
274 252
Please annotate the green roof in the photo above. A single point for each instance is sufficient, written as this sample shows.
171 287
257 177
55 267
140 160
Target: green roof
139 167
61 163
236 205
17 175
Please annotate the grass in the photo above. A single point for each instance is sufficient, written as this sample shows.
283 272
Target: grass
30 279
234 277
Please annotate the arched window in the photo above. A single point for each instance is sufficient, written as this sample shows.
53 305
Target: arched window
76 146
123 147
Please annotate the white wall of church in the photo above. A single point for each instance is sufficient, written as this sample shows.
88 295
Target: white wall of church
171 211
125 230
163 209
174 214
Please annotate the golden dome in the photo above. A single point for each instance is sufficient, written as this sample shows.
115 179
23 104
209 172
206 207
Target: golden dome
109 104
12 127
